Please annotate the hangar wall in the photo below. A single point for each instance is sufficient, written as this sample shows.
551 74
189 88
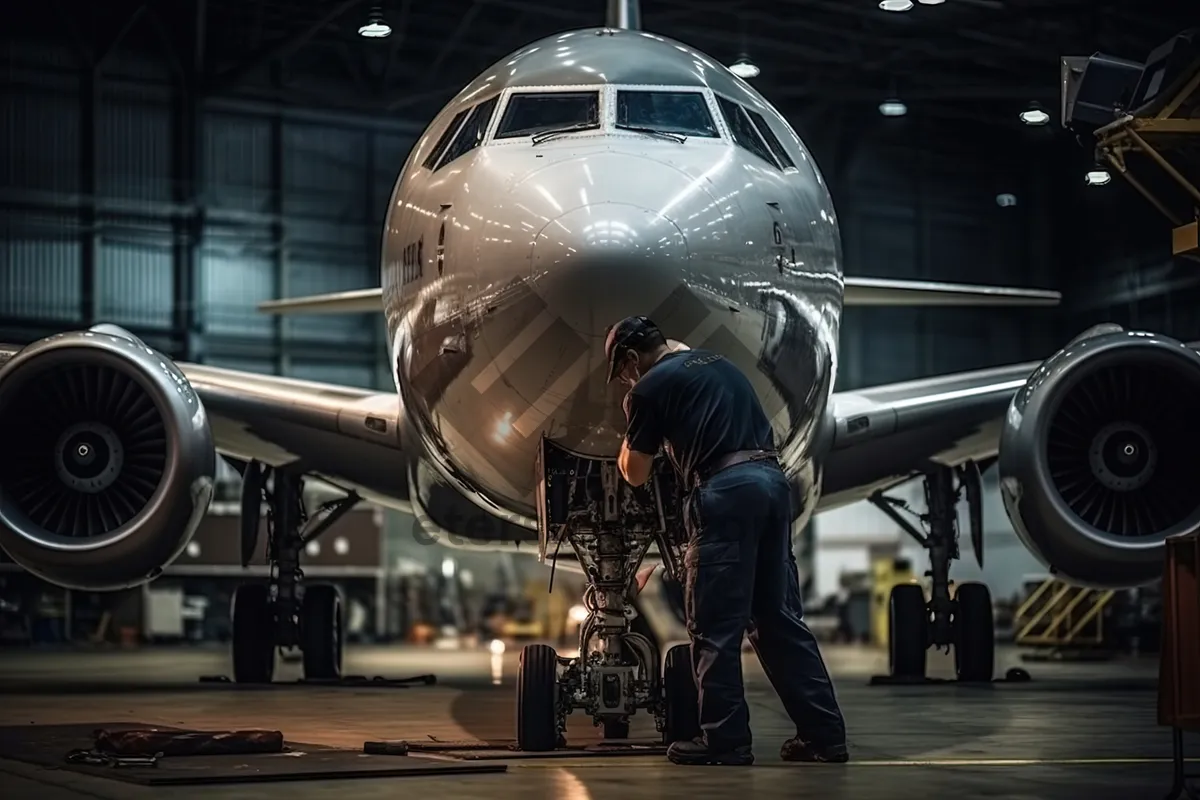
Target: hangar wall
123 202
1116 251
127 203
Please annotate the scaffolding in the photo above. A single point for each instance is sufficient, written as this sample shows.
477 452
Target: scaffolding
1164 133
1060 620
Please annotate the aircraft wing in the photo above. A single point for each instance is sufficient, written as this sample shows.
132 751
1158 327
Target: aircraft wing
887 292
358 301
348 436
886 434
858 292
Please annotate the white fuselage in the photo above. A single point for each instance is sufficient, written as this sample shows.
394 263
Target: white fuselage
507 255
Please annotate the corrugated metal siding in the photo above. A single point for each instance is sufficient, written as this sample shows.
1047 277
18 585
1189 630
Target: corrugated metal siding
135 282
237 271
39 267
237 162
324 172
913 212
133 159
39 141
359 375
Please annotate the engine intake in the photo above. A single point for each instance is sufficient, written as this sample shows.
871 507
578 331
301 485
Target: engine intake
1098 456
108 460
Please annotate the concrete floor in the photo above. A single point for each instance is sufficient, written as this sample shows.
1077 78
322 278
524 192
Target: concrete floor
1074 731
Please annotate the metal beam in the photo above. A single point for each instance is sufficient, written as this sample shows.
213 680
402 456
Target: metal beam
451 43
106 49
279 238
89 245
399 34
200 42
276 50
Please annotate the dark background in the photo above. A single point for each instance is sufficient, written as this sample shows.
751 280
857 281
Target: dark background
166 165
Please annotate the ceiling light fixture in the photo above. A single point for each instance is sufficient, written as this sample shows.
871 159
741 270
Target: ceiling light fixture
1034 115
745 68
896 5
931 2
1098 175
1006 200
893 108
376 27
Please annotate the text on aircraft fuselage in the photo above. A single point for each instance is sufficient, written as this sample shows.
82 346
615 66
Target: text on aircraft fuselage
590 176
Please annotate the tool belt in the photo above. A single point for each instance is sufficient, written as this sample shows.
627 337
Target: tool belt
728 460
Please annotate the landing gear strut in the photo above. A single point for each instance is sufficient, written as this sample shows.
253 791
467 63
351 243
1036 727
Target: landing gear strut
609 526
962 619
284 612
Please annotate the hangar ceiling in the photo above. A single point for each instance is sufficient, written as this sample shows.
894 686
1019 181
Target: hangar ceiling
985 59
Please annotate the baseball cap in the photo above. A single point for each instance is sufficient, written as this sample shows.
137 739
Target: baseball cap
627 333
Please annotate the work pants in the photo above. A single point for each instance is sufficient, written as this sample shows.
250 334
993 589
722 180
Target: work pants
741 572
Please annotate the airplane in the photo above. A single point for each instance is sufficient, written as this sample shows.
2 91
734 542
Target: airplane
588 176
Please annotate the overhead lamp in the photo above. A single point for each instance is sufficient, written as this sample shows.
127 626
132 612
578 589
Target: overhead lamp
1006 200
1098 175
896 5
893 108
745 68
1034 115
376 27
931 2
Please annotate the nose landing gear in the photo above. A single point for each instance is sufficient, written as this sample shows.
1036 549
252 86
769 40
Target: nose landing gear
284 612
962 620
610 526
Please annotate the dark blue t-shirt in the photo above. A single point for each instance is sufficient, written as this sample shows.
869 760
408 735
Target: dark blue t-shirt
701 406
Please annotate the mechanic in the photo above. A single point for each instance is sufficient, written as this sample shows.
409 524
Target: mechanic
741 571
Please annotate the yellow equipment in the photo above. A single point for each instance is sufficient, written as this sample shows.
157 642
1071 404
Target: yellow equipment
1060 616
886 573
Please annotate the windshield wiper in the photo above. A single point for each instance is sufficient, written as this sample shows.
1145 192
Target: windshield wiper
542 136
677 137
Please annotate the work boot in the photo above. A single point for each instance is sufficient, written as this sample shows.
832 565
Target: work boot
697 753
796 749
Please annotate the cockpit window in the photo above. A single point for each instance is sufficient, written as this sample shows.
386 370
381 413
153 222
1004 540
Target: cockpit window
534 112
743 129
684 113
444 140
470 135
770 138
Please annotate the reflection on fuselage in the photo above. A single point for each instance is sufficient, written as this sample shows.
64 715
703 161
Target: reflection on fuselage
504 266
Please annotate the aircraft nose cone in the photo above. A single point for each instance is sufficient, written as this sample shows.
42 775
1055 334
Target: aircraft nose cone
597 264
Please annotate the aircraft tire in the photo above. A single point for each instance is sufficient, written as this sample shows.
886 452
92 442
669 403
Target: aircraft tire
908 631
537 698
323 636
680 697
253 644
616 729
974 634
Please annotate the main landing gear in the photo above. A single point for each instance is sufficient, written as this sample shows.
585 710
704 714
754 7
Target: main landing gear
284 612
963 620
610 526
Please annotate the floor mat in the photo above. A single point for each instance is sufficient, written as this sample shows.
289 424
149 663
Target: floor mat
47 746
506 749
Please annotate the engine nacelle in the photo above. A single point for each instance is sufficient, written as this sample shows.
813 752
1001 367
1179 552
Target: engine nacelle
1100 456
106 460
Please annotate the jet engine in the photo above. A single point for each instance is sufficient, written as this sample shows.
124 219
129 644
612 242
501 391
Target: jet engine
1100 456
106 460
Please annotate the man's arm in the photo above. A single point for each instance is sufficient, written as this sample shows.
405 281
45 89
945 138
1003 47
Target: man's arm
642 440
